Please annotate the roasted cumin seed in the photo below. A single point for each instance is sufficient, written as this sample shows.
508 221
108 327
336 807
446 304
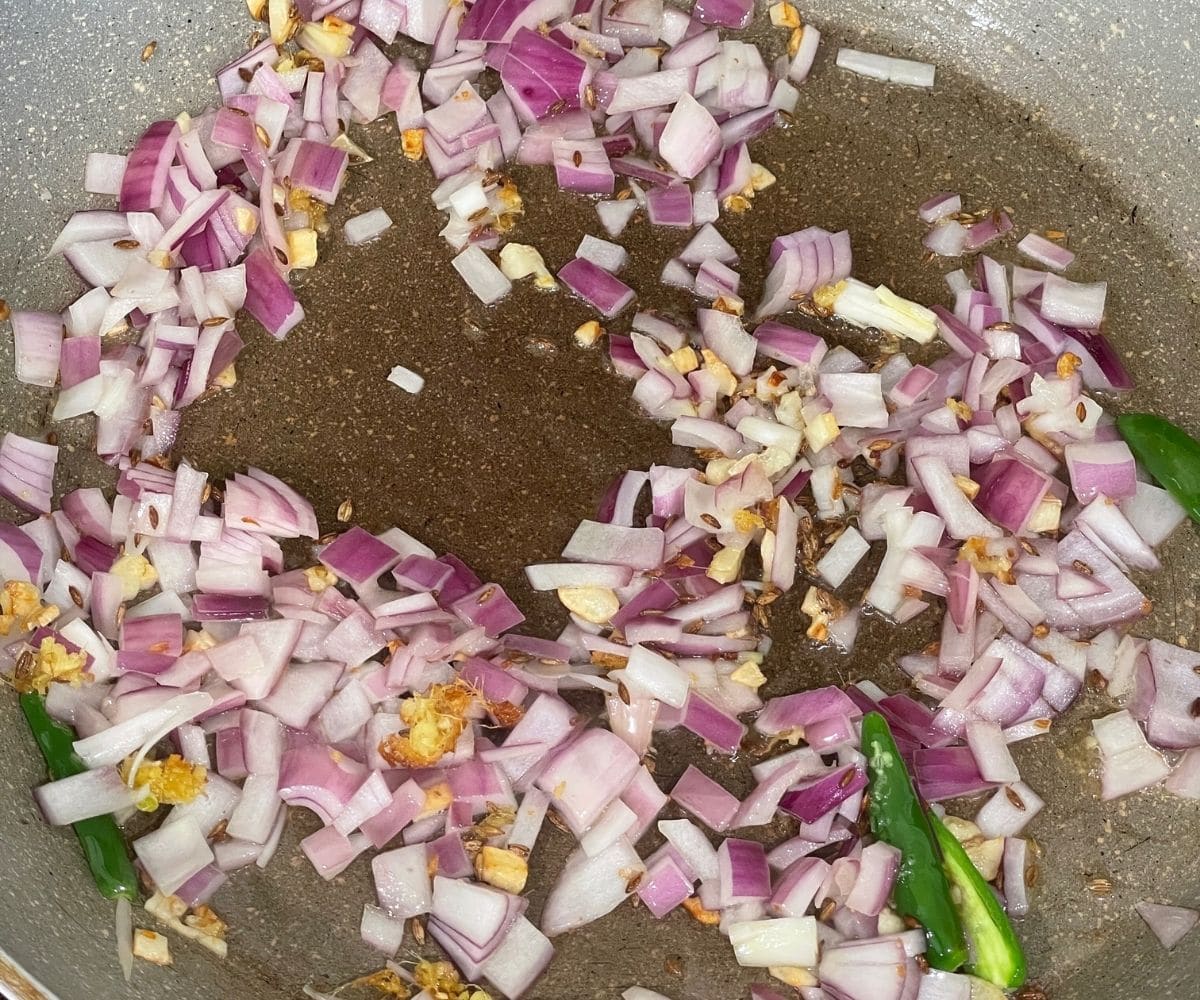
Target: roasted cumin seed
1010 793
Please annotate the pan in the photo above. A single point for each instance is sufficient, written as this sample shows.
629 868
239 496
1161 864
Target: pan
1077 116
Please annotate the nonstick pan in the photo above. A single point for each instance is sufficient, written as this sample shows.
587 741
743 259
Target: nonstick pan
1082 116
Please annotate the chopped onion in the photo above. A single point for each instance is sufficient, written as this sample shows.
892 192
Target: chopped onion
406 379
1170 924
365 227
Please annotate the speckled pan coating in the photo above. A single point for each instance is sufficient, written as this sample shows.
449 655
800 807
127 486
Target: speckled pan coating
1072 115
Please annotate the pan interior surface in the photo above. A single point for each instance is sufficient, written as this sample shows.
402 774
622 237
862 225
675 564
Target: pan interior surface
518 431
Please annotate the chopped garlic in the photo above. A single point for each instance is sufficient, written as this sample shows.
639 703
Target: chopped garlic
986 855
593 604
256 8
437 799
435 719
967 486
226 377
709 918
821 431
152 947
826 295
824 609
502 868
726 381
170 909
319 578
302 247
960 409
352 149
52 662
988 556
586 334
747 521
890 922
760 177
750 675
198 640
21 607
963 829
1046 515
246 220
170 782
726 565
279 17
520 260
441 979
772 460
784 15
684 360
1067 365
135 573
206 922
794 976
789 410
412 142
718 470
328 40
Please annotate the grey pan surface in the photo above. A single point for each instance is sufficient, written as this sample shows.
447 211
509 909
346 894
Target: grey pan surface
1080 116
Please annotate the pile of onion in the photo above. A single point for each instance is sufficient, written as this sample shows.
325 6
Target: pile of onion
384 687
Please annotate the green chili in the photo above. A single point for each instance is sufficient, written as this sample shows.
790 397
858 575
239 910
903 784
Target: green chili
100 837
898 818
1168 453
996 952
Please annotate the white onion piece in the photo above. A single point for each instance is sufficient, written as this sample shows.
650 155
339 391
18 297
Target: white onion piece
142 731
124 932
380 930
367 226
483 277
789 941
610 256
518 960
173 853
845 554
1002 816
615 215
406 379
653 674
887 68
1170 924
82 796
588 888
990 749
1127 762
